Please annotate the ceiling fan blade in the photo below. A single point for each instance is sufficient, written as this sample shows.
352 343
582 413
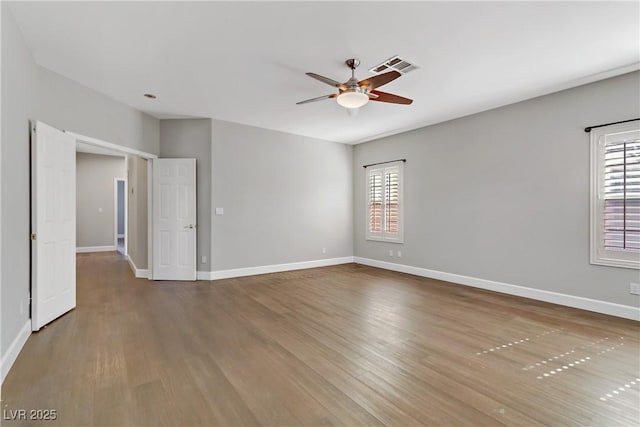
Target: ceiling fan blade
379 80
320 98
326 80
389 97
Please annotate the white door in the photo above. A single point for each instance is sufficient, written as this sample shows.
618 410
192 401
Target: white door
53 218
174 219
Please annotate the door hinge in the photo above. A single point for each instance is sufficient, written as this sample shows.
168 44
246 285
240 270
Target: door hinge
33 236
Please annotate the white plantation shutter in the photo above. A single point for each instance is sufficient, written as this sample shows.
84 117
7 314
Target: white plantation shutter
621 220
376 193
616 196
392 200
384 204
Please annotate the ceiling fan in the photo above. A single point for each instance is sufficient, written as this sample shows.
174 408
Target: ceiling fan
354 94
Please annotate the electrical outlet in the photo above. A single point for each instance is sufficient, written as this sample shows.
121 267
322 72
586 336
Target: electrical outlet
634 288
399 254
203 259
390 252
324 250
219 211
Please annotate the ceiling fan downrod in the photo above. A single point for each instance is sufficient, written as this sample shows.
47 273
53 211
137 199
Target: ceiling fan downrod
353 64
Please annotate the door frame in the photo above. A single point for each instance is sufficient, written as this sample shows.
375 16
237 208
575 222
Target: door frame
126 213
149 158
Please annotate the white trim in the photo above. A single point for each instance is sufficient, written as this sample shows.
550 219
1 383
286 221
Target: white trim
111 146
150 218
116 212
138 273
385 236
276 268
212 192
87 249
13 351
203 275
603 307
598 254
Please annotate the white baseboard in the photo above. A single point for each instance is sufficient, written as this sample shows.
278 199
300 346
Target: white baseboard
11 354
86 249
203 275
276 268
138 273
603 307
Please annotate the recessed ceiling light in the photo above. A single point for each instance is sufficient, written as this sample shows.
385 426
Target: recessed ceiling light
150 96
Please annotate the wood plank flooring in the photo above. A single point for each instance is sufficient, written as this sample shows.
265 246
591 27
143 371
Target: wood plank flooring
344 345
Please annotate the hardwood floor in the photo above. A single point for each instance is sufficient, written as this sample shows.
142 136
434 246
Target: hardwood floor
345 345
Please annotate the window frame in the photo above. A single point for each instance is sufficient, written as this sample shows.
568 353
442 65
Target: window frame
598 254
384 236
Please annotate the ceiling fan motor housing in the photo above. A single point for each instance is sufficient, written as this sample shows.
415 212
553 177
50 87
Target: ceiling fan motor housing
352 63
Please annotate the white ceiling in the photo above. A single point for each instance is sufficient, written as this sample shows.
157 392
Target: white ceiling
245 62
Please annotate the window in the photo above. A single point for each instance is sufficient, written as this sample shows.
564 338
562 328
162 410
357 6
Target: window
384 203
615 195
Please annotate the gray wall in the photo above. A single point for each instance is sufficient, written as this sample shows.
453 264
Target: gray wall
504 195
285 197
191 138
137 243
30 92
95 184
67 105
274 187
19 101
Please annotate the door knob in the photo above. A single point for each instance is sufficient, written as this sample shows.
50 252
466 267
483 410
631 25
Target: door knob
190 226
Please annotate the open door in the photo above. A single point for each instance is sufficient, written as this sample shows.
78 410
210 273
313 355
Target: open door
174 219
53 223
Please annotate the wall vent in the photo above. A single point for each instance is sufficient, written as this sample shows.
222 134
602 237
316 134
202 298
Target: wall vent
394 63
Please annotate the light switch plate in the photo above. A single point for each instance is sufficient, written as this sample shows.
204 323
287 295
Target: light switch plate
219 211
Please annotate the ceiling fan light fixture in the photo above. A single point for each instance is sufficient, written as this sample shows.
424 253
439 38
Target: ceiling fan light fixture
352 99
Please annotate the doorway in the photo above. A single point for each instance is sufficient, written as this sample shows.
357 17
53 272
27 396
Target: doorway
54 215
121 217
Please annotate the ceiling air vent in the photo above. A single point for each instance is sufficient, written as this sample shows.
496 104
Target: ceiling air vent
395 63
